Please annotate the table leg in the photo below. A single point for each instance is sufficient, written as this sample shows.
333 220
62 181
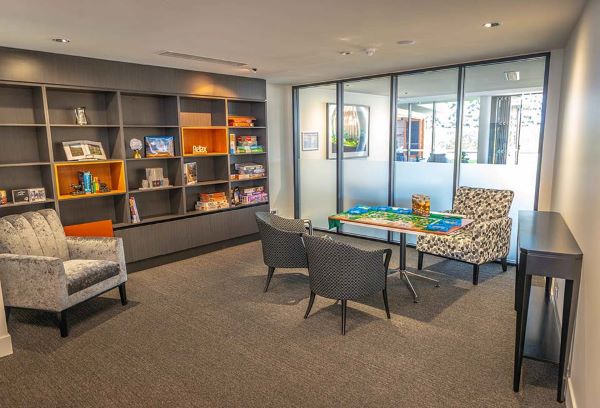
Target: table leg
566 335
520 331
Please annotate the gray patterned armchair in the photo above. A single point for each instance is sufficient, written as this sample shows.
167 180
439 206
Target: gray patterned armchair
281 240
343 272
41 268
486 239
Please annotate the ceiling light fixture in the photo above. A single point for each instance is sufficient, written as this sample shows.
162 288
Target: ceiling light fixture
61 40
492 24
512 75
406 42
345 52
370 51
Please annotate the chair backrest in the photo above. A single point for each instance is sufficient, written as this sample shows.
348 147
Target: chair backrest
281 241
482 203
340 271
33 233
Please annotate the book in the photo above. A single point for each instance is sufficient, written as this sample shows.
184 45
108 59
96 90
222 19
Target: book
191 173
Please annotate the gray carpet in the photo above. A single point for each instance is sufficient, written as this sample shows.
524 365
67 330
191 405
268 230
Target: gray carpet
201 333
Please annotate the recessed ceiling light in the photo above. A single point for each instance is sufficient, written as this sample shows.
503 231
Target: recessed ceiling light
61 40
512 75
492 24
345 52
406 42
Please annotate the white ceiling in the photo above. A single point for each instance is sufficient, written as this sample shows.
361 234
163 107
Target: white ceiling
290 42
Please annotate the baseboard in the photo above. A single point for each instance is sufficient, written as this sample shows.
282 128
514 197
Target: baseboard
570 401
5 346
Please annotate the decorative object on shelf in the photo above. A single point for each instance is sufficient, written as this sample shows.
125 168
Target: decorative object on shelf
356 131
248 171
3 197
37 194
104 188
248 144
252 195
191 173
199 149
310 141
88 184
421 205
236 196
155 178
212 201
84 150
159 146
232 143
241 121
85 179
135 215
136 145
20 195
80 116
77 189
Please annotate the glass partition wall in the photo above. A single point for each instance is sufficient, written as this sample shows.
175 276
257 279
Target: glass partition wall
425 132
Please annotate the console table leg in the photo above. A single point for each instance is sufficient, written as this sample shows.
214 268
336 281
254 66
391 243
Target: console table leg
565 339
520 332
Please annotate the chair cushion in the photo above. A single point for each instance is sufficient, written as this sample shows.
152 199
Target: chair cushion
10 241
83 273
29 241
57 230
482 203
460 246
43 233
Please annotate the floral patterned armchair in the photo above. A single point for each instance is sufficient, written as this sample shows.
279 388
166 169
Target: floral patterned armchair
486 239
41 268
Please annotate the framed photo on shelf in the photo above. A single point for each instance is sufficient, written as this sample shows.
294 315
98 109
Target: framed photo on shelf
356 131
191 173
84 150
159 146
310 141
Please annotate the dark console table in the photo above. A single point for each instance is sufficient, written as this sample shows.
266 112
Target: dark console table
546 248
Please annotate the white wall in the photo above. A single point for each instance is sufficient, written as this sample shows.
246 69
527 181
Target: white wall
576 192
281 165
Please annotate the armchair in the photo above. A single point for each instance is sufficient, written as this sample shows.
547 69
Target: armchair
486 239
342 272
281 242
41 268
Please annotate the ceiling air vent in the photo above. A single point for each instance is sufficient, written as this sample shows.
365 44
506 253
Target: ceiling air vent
202 59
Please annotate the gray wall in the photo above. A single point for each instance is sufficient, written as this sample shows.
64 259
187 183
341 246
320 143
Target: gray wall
576 193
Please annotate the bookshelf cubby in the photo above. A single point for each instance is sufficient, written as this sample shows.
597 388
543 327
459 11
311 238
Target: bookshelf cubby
101 107
110 172
36 119
214 139
110 137
149 110
202 112
27 144
21 105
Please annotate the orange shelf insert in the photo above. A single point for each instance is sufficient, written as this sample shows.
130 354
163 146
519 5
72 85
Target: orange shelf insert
215 141
110 172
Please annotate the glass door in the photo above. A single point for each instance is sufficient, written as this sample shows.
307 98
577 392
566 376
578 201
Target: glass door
365 165
424 139
502 119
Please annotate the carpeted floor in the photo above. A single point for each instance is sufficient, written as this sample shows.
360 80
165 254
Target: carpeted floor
201 333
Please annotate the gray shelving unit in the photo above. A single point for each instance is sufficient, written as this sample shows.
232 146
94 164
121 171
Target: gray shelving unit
36 118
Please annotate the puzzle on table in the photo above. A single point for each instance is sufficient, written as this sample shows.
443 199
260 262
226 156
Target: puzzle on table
402 218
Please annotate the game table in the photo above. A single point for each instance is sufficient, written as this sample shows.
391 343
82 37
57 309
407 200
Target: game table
402 221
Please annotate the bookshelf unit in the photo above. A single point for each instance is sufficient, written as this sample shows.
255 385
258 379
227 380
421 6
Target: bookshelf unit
36 119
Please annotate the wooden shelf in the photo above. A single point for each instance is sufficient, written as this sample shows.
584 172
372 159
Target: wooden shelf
155 158
206 183
247 154
87 196
22 125
249 179
150 126
11 204
246 127
149 190
83 126
214 139
25 164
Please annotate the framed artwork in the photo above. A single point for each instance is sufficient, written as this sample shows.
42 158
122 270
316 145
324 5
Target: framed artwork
159 146
310 141
84 150
356 131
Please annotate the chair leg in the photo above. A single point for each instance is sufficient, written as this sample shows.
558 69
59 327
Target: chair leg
269 276
344 313
504 264
385 303
123 293
420 261
7 313
310 304
63 324
475 274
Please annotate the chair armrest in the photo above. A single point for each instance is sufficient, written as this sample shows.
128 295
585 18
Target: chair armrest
36 282
496 231
98 248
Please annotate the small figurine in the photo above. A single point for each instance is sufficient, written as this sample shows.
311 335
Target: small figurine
77 189
104 188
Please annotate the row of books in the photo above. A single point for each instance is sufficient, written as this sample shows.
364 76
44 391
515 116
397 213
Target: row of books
245 144
248 171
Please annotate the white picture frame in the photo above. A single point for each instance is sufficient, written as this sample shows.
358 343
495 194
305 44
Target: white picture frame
310 141
77 150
